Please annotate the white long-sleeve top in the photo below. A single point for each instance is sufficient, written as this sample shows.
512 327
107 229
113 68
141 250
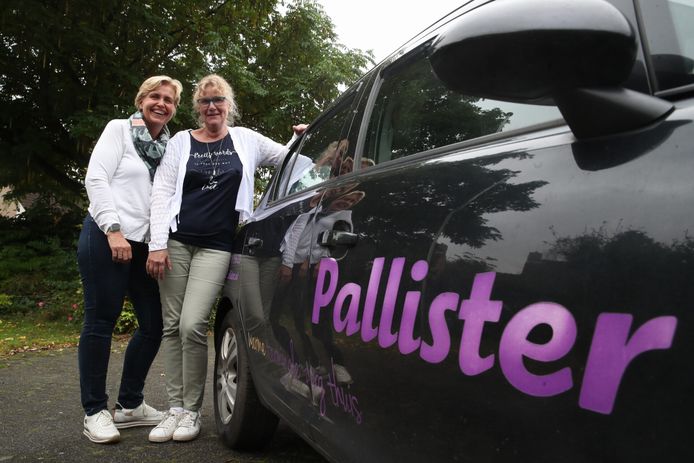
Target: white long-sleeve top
294 249
118 183
253 149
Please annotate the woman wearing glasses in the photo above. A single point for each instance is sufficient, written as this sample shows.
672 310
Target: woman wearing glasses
204 173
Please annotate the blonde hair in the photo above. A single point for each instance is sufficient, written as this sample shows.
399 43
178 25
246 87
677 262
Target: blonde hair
153 83
216 82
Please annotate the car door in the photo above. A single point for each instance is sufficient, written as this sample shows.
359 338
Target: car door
491 294
269 282
386 397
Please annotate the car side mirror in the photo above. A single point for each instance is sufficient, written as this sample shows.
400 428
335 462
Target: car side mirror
549 52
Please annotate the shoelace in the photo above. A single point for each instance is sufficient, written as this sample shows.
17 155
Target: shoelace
170 419
187 421
104 415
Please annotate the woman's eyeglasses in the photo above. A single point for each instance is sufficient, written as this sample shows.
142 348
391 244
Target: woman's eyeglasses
205 102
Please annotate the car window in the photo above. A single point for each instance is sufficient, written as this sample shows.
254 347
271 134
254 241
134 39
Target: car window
354 130
415 112
320 153
669 28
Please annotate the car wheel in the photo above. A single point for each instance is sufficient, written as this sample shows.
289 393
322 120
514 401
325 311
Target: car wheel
242 420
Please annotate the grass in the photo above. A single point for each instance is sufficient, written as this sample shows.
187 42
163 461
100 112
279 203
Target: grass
31 333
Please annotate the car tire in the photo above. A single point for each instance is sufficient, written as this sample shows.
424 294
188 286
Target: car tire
242 421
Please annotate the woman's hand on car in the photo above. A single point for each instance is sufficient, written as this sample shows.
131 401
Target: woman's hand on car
299 129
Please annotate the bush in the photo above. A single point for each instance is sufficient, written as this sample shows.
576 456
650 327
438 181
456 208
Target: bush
5 302
38 267
127 322
39 275
38 263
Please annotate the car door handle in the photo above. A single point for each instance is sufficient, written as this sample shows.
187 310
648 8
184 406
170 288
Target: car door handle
334 238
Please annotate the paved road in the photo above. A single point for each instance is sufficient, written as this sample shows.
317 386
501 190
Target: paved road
41 418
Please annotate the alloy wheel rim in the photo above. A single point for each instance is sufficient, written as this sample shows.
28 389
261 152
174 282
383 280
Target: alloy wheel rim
227 375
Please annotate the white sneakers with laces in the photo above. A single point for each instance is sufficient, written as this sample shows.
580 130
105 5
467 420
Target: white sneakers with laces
99 428
178 425
142 415
188 428
164 431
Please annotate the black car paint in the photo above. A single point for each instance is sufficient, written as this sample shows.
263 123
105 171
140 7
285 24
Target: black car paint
596 226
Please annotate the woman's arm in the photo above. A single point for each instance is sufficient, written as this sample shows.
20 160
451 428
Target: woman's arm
271 152
103 163
163 189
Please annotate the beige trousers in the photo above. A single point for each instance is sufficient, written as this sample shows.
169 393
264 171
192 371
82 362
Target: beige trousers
188 293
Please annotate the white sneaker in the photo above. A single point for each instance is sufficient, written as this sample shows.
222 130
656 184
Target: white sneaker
188 428
99 428
342 376
292 384
164 431
142 415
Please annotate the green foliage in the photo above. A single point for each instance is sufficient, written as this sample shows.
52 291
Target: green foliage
69 66
127 322
38 269
290 69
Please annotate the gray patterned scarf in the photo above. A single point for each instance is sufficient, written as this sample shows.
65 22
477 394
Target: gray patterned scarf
150 151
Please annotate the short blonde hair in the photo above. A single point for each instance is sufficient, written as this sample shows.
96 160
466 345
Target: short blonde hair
153 83
216 82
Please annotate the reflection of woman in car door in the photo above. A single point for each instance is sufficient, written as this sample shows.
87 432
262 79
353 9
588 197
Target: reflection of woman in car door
309 173
300 260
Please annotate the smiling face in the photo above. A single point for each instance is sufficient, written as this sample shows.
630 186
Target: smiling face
158 107
213 114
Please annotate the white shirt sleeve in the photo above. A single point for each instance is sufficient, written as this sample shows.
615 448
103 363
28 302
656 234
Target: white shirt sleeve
290 243
103 163
270 152
163 190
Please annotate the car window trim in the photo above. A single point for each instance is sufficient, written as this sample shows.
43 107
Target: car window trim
493 139
274 186
669 93
676 92
646 47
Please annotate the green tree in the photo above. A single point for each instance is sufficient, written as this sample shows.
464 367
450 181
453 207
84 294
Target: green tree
68 66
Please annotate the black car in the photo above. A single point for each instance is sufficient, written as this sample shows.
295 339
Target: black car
483 250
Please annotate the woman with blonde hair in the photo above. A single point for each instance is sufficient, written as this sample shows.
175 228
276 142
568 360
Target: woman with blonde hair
111 254
202 190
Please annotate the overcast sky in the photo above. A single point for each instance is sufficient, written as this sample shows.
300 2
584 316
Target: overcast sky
383 25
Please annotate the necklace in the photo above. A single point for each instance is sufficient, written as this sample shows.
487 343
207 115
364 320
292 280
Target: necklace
212 182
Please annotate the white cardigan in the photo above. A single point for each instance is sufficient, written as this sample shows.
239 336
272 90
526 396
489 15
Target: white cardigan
118 183
253 149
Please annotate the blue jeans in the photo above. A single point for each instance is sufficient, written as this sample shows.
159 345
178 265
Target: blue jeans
106 284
